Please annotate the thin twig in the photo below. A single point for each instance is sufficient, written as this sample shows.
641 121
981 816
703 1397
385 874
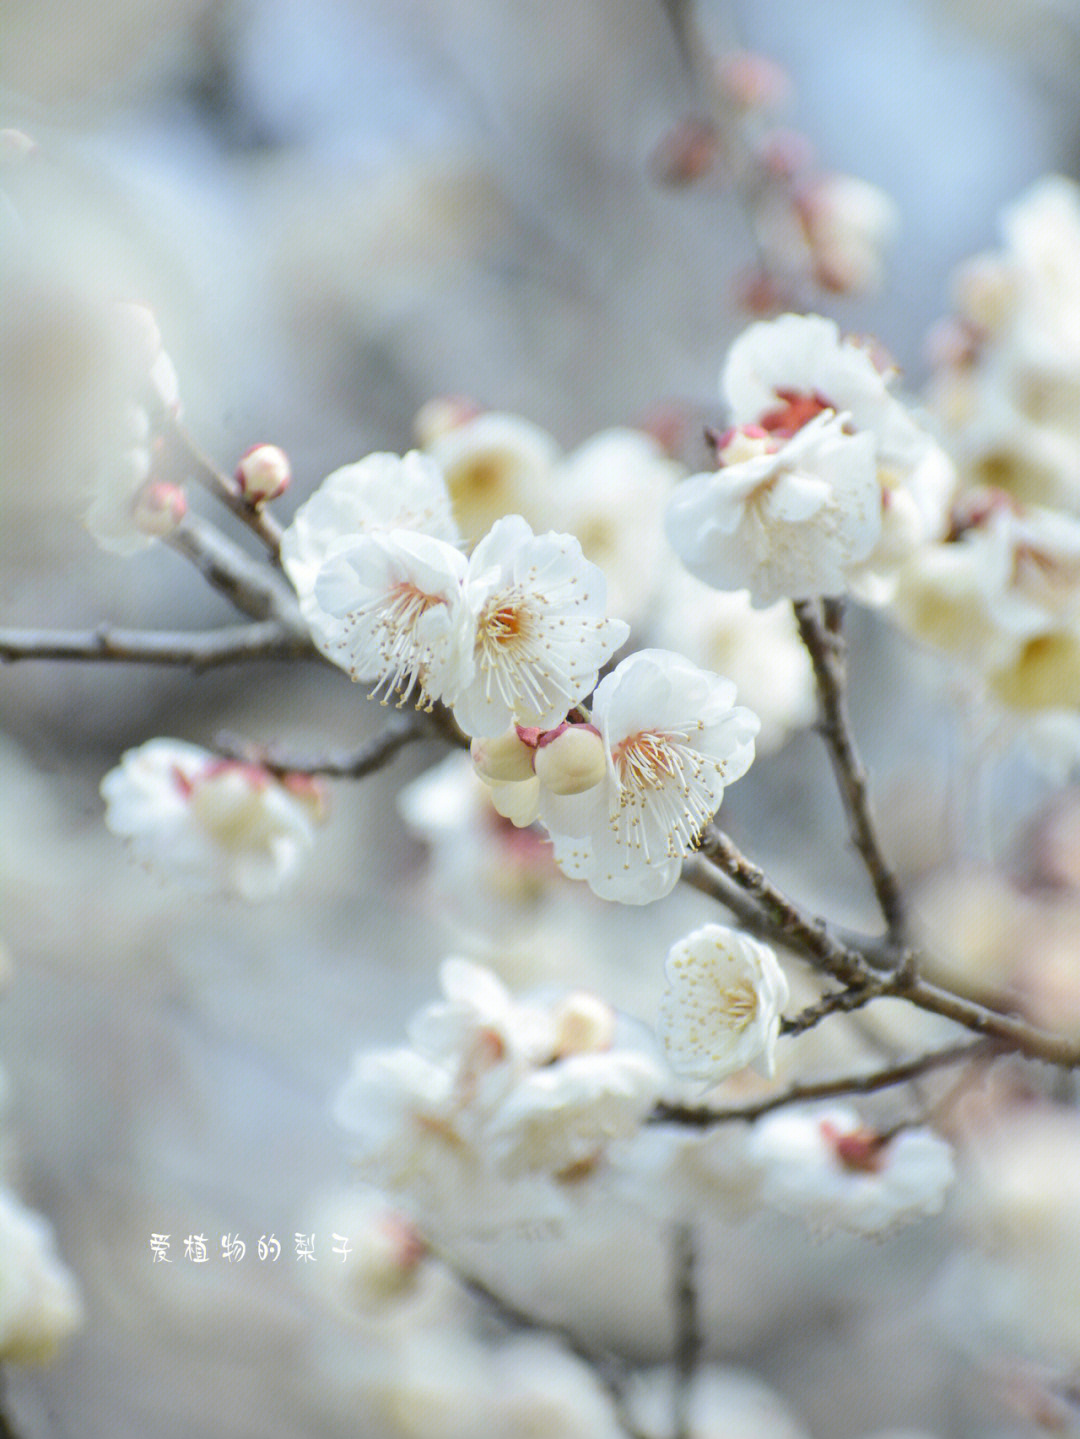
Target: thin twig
688 1339
246 584
228 491
353 764
198 650
700 1116
840 1001
822 636
782 921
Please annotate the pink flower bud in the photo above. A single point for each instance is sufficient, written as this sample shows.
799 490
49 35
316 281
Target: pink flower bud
686 153
753 82
507 758
571 759
263 473
437 417
307 789
159 507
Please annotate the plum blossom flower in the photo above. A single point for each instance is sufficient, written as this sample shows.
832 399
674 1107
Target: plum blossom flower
147 393
540 633
782 519
217 825
721 1010
827 1168
40 1304
795 379
674 738
496 464
389 610
380 492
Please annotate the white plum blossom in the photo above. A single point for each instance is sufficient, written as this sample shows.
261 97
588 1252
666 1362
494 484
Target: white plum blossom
540 634
380 492
721 1009
674 738
784 519
610 492
147 393
389 610
827 1168
496 464
1003 596
40 1304
823 517
217 825
561 1116
541 1390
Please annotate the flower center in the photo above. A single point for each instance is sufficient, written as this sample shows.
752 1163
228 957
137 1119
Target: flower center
739 1003
795 412
510 650
404 657
668 792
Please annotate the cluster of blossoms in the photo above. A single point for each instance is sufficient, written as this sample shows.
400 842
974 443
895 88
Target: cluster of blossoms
512 638
219 825
497 1106
501 1113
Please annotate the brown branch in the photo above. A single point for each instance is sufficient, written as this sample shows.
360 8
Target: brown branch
198 650
226 489
700 1116
688 1338
783 922
246 584
821 634
840 1001
353 764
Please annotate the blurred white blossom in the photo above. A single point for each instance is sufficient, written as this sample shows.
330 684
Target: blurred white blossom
217 825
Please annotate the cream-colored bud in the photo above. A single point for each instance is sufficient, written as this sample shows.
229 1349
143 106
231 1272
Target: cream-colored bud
439 416
505 758
573 761
584 1024
263 473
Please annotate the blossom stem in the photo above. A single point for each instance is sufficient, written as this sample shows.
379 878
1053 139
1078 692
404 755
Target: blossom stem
352 764
688 1338
821 633
231 644
840 1001
228 491
701 1115
229 570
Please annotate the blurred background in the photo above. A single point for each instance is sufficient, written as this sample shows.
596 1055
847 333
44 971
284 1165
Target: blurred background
339 209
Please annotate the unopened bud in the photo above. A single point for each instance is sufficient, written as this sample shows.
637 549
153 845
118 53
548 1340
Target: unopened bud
159 507
263 473
439 416
311 794
571 759
584 1024
686 153
505 758
753 82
